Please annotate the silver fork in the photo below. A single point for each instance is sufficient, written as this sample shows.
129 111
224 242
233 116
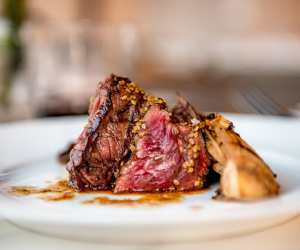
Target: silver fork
262 103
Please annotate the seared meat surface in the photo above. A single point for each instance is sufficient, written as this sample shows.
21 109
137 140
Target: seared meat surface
132 143
95 158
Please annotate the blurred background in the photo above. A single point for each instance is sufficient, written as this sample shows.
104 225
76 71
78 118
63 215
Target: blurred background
224 55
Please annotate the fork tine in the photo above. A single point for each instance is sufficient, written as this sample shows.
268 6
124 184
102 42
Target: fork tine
253 103
271 103
252 100
263 103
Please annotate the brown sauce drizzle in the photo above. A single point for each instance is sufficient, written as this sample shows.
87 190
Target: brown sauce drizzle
61 191
145 199
59 196
57 191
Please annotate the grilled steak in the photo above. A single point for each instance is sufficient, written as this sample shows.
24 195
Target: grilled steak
131 143
169 156
103 143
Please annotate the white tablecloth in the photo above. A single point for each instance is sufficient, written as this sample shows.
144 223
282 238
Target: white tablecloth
283 237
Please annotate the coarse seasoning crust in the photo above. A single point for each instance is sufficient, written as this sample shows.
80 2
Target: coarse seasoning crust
131 143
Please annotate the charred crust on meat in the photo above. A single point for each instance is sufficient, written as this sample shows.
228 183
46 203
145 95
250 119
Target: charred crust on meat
132 143
79 165
108 144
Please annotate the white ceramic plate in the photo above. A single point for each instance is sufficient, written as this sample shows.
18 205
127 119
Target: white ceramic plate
28 152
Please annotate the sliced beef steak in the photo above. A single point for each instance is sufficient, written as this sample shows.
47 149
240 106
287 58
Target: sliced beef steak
131 143
94 160
169 156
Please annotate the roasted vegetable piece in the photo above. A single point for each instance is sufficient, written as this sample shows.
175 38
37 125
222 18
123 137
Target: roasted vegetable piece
244 174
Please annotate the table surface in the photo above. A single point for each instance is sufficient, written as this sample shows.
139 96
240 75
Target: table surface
284 236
